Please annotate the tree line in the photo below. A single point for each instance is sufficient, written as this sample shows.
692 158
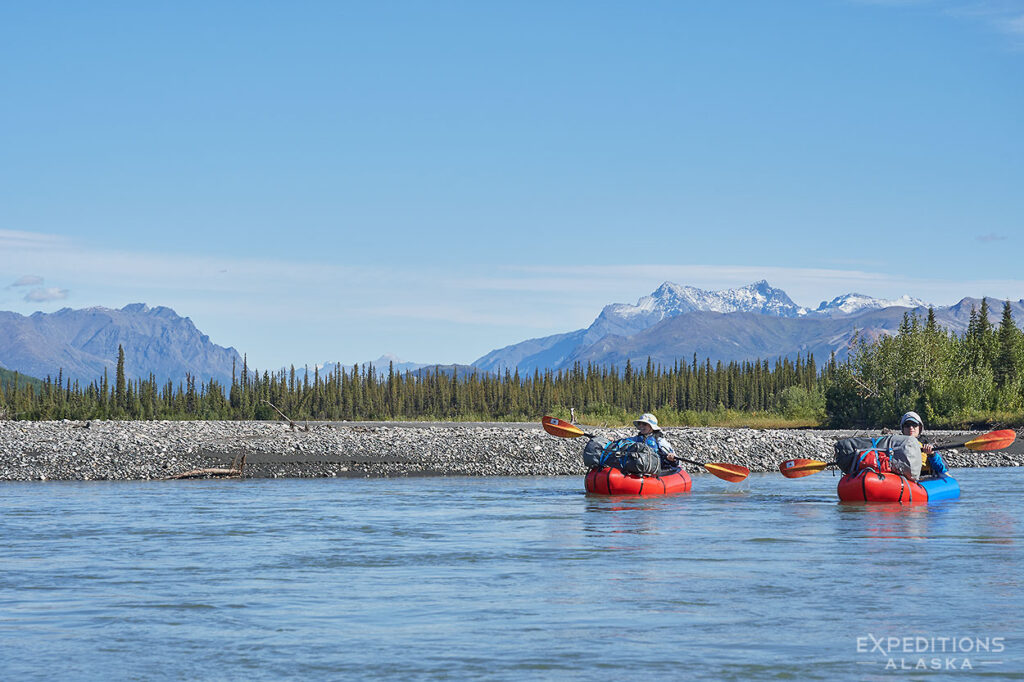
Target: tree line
948 378
362 393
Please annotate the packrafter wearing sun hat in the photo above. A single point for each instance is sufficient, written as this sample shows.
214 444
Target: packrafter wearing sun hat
652 434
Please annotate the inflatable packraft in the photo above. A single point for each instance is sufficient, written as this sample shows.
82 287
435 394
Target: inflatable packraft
873 486
886 469
611 481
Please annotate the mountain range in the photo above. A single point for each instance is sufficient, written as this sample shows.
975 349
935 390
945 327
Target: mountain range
671 324
756 321
81 344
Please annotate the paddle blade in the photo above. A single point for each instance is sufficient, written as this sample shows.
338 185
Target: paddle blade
561 428
798 468
993 440
734 473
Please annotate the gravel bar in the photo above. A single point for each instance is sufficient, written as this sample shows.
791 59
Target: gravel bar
136 450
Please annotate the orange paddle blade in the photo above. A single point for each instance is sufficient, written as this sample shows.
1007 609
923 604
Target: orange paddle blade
798 468
993 440
734 473
561 428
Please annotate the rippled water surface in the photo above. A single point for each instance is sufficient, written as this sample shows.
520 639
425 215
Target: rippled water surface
505 578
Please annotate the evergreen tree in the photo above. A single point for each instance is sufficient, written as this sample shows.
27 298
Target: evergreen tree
1007 367
121 394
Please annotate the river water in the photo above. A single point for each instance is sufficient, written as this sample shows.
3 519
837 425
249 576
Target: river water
507 578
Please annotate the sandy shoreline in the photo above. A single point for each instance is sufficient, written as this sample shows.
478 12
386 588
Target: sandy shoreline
122 450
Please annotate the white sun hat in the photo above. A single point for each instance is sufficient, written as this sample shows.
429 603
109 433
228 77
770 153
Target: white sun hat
649 419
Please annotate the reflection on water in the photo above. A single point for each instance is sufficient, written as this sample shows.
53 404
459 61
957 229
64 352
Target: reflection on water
999 527
888 521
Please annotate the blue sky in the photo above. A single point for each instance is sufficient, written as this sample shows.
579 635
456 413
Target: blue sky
320 181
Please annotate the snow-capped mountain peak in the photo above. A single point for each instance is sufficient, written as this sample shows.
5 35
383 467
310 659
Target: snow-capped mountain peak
670 300
848 304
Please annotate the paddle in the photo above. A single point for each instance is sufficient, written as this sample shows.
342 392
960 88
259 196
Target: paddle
734 473
798 468
993 440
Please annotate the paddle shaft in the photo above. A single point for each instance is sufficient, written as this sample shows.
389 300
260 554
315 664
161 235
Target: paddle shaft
728 472
948 446
993 440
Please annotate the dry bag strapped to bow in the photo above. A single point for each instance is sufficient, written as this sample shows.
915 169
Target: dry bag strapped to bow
592 453
896 453
632 457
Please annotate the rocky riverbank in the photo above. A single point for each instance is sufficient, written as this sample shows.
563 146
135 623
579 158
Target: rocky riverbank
111 450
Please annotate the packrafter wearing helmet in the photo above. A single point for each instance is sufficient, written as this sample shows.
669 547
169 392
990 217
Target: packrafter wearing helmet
913 418
933 459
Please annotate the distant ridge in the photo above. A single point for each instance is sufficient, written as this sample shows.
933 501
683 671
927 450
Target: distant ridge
388 363
83 343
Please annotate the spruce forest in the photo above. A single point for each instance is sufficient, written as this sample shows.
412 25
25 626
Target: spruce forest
950 379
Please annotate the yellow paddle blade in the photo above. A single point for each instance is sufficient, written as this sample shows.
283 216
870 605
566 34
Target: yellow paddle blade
734 473
798 468
561 428
993 440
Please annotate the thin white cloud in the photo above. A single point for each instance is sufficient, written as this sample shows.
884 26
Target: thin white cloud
282 283
991 237
806 286
27 281
1003 16
14 239
111 267
41 295
471 314
1014 25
